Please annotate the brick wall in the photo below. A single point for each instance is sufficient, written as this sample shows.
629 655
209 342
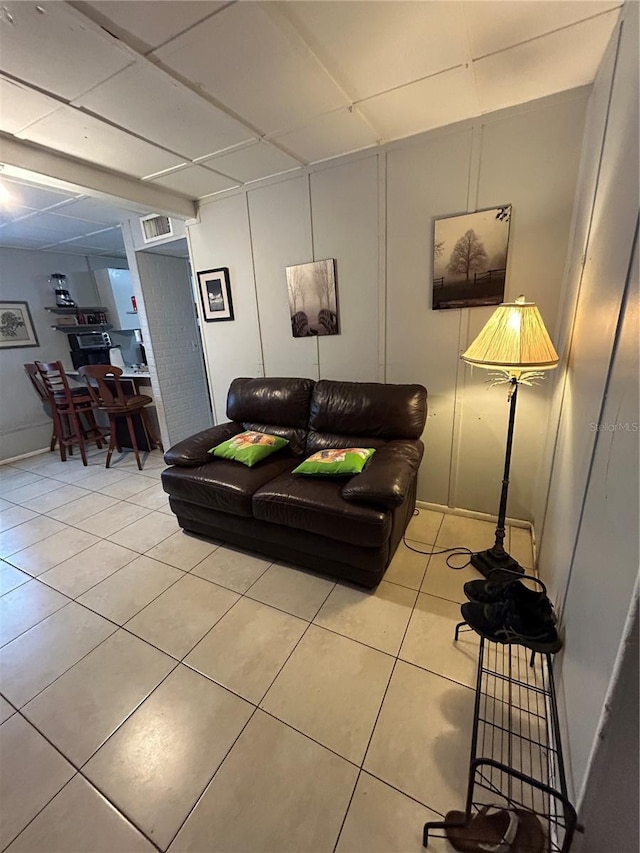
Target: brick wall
172 345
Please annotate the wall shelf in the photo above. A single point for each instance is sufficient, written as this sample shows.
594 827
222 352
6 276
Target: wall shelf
74 309
96 327
516 756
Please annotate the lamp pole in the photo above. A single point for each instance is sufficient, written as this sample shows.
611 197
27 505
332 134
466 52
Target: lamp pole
496 557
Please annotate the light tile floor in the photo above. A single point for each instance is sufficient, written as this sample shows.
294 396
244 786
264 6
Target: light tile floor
161 692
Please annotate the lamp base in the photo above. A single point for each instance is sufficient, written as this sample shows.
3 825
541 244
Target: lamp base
487 562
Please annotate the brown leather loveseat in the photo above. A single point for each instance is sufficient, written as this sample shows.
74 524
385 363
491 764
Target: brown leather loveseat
345 527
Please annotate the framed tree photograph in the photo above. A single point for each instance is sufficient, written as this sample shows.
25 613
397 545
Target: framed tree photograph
313 301
215 292
470 258
16 326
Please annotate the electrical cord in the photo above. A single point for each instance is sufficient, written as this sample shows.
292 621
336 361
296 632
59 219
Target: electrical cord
459 550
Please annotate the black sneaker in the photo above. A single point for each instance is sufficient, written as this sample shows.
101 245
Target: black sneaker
507 622
492 591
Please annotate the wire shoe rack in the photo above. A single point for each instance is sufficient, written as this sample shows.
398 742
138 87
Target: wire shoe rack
516 755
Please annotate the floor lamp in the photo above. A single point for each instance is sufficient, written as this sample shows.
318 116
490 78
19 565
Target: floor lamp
515 344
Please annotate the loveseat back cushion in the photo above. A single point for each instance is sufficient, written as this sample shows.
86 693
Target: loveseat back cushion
276 405
270 401
317 506
368 409
224 485
296 437
317 441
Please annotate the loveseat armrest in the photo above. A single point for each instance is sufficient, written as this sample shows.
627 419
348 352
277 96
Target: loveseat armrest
388 476
195 450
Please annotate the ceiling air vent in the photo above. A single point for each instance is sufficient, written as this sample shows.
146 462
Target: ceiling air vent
155 226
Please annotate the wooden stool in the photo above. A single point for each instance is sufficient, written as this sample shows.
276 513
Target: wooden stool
67 407
103 382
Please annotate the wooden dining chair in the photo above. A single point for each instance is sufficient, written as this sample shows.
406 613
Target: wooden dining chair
69 406
103 383
38 386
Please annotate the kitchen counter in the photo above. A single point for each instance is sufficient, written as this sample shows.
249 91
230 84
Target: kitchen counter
131 373
127 373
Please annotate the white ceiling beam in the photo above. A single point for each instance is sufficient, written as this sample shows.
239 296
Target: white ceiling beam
50 164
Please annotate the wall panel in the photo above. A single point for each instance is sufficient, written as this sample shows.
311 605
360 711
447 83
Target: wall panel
349 193
608 250
222 239
595 125
423 181
281 237
542 150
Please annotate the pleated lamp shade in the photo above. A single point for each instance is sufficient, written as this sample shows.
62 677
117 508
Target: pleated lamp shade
513 339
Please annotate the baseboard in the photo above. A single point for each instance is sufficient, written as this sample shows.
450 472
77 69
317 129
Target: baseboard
471 513
24 456
483 516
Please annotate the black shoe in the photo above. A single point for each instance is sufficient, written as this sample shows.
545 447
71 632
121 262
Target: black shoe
493 591
507 622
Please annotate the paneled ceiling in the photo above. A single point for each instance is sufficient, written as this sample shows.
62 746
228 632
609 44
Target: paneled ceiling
200 97
56 219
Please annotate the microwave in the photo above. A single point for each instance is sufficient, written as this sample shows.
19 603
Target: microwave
89 340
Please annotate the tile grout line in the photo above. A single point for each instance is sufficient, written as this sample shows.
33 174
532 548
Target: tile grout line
77 772
256 706
366 752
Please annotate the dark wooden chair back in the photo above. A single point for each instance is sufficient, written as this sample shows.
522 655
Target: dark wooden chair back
103 382
36 380
55 382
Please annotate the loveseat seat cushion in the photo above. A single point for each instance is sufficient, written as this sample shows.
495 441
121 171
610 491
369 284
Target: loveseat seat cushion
317 505
224 485
389 475
368 409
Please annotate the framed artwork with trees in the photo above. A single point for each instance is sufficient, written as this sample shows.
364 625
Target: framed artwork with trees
470 258
313 301
16 326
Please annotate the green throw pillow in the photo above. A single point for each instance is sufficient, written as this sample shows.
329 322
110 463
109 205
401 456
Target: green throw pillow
249 447
336 462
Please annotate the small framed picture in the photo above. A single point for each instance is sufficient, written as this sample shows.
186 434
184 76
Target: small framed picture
16 326
215 292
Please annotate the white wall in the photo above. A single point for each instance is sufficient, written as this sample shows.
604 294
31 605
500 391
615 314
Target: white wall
610 809
223 239
373 212
589 545
24 276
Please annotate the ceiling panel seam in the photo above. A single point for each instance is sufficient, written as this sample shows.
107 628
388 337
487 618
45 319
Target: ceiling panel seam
151 59
278 14
467 35
545 35
191 27
289 29
410 83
